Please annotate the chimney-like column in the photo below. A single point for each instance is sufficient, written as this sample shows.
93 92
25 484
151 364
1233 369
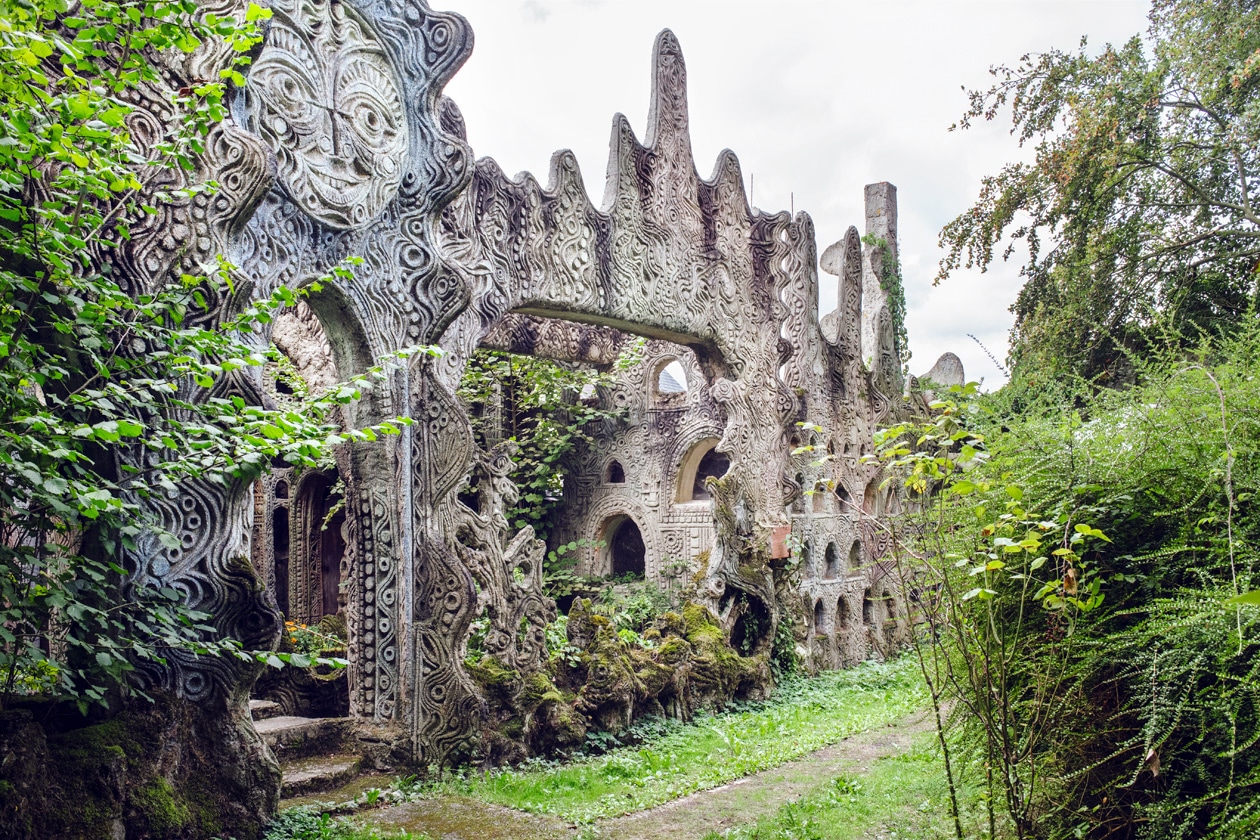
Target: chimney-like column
881 224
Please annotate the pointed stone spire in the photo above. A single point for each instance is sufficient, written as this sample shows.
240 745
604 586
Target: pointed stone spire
667 117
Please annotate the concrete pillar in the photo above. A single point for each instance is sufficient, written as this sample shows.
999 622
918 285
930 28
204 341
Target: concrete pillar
881 223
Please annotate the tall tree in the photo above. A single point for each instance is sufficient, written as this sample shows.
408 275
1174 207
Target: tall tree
1140 211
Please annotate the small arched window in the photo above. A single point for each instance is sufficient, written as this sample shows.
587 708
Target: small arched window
615 474
669 384
820 616
855 556
714 464
842 614
832 558
671 378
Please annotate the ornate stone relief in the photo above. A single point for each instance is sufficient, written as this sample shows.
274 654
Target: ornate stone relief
372 163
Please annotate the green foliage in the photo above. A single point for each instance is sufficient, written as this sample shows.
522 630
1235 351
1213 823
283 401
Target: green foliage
538 404
784 660
559 578
635 605
891 282
111 396
301 824
558 647
312 639
1000 575
1139 672
1139 211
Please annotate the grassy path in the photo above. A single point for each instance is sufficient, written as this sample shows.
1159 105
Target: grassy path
724 811
740 773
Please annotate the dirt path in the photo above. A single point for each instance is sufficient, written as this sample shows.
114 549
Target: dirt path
689 818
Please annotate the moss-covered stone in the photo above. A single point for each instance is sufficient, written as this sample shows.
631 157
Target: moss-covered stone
497 681
163 770
161 809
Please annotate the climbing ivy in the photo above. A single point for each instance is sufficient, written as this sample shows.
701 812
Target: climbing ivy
547 409
895 293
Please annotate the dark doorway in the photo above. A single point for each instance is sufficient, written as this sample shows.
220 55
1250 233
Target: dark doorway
616 473
627 550
318 526
280 557
331 549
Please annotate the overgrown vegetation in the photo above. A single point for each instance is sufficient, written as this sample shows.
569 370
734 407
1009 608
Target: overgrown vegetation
111 395
1082 562
545 408
1082 575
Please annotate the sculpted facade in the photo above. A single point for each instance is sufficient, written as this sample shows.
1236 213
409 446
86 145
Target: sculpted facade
343 146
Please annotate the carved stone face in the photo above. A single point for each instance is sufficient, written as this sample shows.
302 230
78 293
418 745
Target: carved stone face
324 95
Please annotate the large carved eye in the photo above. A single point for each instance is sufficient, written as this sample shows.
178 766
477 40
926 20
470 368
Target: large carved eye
290 82
368 98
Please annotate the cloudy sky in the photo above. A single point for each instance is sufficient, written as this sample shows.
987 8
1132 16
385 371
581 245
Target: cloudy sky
816 97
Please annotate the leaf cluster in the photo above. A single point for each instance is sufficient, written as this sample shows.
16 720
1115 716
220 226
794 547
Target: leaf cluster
1138 213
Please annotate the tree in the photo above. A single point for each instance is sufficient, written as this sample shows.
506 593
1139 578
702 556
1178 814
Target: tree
1140 211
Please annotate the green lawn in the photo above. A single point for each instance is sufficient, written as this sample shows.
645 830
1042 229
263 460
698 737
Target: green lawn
900 797
805 715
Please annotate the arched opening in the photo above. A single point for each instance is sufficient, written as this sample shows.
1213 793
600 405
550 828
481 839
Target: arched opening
846 501
831 568
627 555
868 609
615 474
855 556
669 383
714 464
870 499
820 499
280 553
842 614
701 463
820 615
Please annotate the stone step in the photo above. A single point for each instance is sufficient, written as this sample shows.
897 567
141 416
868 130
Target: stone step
293 737
319 773
263 709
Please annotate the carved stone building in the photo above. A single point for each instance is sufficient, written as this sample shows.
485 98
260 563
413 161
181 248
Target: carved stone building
341 145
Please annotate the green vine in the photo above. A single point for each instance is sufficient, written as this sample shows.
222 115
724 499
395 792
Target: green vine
894 289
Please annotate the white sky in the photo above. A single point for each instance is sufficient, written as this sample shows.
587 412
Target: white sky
816 97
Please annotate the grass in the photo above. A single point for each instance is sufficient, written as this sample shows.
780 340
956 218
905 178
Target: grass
297 824
901 797
805 715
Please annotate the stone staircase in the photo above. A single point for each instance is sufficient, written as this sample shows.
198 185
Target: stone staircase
314 753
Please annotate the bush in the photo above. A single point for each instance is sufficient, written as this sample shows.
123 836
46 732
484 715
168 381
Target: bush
1128 683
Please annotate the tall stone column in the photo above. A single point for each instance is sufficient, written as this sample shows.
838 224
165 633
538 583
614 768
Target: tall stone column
881 223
